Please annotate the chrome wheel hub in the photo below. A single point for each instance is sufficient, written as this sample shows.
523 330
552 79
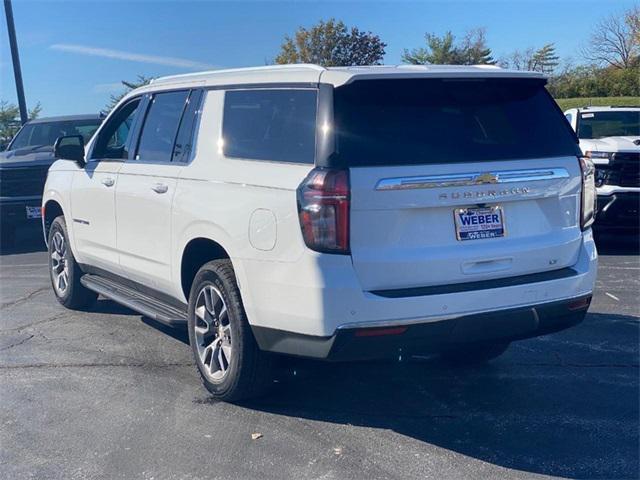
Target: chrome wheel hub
59 264
213 332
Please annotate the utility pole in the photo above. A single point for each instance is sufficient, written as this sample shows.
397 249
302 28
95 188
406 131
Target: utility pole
17 72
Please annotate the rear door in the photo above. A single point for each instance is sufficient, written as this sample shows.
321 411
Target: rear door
457 180
146 186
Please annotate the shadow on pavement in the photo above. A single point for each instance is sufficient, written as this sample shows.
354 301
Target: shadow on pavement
574 419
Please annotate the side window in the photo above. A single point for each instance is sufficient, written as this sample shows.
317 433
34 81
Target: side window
161 126
569 118
185 138
113 139
276 125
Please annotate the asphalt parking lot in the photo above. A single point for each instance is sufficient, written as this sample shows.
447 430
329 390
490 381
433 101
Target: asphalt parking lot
109 394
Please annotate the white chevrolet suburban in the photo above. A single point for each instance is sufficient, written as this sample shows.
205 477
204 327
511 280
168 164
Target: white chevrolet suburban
610 136
332 213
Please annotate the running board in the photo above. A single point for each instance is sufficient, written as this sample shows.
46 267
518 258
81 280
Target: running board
144 304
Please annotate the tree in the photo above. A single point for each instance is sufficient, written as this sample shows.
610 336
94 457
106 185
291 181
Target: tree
474 48
331 44
443 50
140 81
10 119
615 41
591 81
542 60
632 19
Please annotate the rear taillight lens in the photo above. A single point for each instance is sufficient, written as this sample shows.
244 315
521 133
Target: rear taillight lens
589 195
323 208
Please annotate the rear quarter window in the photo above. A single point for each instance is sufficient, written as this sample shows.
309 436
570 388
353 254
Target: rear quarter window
429 121
274 125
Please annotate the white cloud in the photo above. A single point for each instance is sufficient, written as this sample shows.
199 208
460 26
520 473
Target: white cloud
129 56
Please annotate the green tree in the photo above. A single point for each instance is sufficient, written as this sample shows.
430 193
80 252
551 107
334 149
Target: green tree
10 119
330 44
443 50
592 81
140 81
542 59
474 48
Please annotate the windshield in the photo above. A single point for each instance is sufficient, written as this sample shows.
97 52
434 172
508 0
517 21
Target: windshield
395 122
45 133
609 124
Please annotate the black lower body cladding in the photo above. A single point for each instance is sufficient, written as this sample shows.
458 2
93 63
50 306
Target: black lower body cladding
431 337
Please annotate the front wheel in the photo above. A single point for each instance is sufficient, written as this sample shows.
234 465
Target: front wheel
475 354
231 365
64 271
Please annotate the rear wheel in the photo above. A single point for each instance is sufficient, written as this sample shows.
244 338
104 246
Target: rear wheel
231 365
475 354
64 271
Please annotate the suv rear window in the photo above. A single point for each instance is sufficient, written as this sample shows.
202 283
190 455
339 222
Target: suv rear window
425 121
276 125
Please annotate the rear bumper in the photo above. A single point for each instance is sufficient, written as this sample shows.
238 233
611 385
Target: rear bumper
13 212
350 344
310 307
619 211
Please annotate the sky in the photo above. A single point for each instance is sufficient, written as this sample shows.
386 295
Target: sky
75 54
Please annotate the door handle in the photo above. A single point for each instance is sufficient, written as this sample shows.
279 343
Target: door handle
108 182
160 188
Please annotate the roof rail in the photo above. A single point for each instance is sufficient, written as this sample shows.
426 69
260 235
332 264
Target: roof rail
195 75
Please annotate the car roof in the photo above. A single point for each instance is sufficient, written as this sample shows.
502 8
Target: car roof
629 108
337 76
66 118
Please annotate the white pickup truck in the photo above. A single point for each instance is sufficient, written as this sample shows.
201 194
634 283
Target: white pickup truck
333 213
610 136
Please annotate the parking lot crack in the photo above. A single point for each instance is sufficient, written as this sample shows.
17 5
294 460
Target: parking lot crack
38 322
26 298
20 342
94 365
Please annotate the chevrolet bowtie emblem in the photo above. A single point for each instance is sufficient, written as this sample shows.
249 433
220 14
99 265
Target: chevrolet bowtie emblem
484 178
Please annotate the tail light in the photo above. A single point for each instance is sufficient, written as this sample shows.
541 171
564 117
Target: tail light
323 209
589 195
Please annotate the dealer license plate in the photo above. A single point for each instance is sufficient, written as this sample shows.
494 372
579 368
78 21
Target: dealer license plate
34 212
479 222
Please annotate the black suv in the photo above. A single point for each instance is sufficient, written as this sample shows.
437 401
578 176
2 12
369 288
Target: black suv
24 166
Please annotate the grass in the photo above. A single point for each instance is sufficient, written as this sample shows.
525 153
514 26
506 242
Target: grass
566 103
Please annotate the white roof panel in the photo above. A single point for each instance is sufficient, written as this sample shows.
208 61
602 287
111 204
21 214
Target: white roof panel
307 73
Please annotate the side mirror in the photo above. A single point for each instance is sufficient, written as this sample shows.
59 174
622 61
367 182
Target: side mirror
3 146
70 147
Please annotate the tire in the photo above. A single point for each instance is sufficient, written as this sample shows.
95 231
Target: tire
477 354
231 365
64 272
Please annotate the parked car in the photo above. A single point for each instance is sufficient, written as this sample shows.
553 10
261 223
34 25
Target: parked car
331 213
24 165
610 136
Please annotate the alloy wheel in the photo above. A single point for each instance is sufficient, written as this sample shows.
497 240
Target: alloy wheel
59 264
213 332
